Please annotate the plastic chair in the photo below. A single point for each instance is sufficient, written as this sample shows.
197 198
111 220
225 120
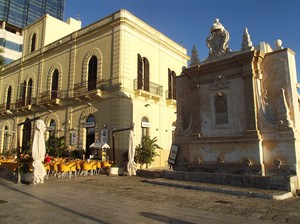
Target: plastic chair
64 170
86 168
78 167
105 166
73 168
98 167
94 166
54 168
47 168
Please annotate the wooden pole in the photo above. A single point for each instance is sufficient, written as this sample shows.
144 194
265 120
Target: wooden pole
18 154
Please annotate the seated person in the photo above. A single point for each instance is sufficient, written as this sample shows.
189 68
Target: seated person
47 158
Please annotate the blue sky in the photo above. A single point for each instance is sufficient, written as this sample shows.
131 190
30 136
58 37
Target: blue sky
187 22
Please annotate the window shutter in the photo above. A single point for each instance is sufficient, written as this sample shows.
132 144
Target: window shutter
140 72
146 75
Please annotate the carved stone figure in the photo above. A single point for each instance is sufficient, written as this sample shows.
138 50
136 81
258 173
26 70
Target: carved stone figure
246 43
217 41
278 44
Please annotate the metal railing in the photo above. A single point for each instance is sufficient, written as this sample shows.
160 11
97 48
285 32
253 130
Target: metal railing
86 88
152 88
22 103
4 109
48 96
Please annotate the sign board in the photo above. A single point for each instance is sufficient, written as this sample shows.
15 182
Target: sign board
89 124
104 135
173 154
73 138
51 128
145 124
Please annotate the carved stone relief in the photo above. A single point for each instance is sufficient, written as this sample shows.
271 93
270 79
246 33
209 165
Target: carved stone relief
272 83
219 82
184 111
217 41
283 113
221 112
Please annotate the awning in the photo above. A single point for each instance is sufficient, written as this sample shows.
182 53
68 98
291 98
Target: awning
99 145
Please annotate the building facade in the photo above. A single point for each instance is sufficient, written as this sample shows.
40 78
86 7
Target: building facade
15 15
114 74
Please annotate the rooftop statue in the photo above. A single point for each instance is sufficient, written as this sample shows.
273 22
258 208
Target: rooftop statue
217 41
247 43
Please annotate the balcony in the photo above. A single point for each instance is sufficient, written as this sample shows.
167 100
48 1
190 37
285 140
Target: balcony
81 91
23 105
4 111
153 91
51 99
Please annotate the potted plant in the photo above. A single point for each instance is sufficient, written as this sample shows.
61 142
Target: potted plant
146 151
25 168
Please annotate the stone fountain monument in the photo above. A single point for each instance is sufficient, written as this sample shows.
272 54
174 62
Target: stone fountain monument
238 116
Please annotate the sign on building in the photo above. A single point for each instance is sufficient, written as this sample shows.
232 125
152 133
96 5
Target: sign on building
73 138
104 135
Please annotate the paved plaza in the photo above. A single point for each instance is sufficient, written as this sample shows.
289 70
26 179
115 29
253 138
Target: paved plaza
125 199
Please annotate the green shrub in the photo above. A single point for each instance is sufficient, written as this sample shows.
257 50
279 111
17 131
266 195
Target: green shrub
146 151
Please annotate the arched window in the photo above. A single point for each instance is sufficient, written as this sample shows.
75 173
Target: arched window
33 42
145 126
171 84
54 86
90 135
26 136
143 73
8 98
92 73
29 92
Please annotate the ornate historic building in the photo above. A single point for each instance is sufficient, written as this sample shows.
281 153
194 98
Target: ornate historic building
88 83
238 114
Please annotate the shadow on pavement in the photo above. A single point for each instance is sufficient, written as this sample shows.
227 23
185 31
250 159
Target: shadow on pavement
53 204
164 219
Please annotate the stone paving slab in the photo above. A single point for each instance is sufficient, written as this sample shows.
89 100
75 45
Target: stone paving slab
155 177
233 190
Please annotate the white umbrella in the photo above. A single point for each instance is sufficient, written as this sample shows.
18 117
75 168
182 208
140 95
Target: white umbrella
38 152
131 165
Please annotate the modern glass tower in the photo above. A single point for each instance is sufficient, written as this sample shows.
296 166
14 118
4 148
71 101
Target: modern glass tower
17 14
21 13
